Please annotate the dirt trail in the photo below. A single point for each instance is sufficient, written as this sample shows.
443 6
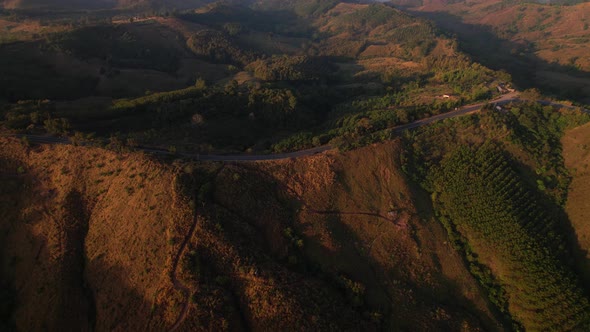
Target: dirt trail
358 213
173 275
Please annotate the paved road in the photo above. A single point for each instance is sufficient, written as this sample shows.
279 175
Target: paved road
245 157
469 109
38 139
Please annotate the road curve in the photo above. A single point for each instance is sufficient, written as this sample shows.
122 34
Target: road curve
465 110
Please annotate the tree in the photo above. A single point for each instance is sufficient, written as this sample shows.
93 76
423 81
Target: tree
231 88
200 84
531 94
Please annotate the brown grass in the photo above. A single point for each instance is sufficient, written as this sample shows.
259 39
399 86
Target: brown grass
406 265
96 218
547 26
576 152
27 28
278 245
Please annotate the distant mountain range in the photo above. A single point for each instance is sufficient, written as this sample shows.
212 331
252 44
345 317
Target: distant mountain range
176 4
99 4
57 4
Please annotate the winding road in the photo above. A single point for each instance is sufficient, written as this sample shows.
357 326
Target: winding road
187 291
464 110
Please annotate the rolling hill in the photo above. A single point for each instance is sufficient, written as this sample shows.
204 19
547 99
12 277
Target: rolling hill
101 4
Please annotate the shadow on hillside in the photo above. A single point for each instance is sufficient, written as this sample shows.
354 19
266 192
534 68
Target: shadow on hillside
75 307
420 299
518 59
283 22
574 256
256 215
54 287
334 253
12 187
119 306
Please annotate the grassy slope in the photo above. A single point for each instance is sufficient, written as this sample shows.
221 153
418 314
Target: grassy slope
577 157
266 254
525 265
91 237
410 276
555 30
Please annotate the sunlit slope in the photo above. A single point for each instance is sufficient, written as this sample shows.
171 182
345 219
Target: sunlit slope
326 241
576 145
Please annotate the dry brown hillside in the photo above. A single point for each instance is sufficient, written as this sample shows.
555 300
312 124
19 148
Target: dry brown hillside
559 33
551 39
87 236
576 152
359 218
91 239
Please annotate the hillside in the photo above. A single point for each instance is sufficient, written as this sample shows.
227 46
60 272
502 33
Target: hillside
384 234
76 232
100 60
97 236
575 152
58 4
499 186
426 190
540 45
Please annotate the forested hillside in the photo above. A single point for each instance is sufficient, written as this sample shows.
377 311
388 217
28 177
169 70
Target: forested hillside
499 188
